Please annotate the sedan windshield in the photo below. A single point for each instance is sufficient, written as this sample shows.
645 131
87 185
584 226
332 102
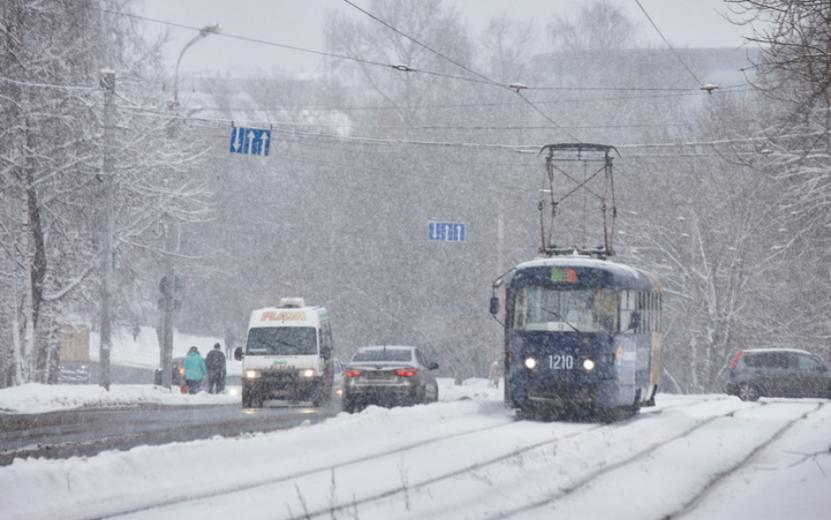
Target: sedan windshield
384 354
282 341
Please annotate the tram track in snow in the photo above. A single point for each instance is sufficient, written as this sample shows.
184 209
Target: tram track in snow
690 505
213 493
472 468
586 479
331 508
192 497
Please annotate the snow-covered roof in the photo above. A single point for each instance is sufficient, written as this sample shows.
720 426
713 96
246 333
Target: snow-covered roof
581 261
621 274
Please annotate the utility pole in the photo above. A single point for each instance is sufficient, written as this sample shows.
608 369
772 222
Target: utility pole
169 288
108 84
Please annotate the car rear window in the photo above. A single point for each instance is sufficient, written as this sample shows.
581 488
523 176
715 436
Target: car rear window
387 354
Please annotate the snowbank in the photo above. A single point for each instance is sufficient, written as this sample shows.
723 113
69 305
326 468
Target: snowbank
81 487
473 388
38 398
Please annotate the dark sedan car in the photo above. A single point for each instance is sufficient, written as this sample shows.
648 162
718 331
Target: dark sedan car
177 375
390 376
778 372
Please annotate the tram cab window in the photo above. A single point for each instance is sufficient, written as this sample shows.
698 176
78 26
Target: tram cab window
555 309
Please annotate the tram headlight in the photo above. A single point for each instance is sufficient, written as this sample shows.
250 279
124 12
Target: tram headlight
530 363
588 365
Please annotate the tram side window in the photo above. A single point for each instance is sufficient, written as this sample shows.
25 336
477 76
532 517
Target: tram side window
627 306
659 312
646 305
643 308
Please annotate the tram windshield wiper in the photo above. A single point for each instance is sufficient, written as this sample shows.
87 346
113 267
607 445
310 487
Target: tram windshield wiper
556 315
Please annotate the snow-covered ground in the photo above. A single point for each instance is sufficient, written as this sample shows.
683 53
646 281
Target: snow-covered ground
37 398
703 457
141 352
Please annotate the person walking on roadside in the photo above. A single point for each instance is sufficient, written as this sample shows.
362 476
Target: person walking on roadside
215 361
195 370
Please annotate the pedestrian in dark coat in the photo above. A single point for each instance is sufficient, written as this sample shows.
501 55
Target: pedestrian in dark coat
194 370
215 361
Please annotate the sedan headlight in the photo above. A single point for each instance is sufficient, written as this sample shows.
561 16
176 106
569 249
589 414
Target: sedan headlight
309 372
252 374
530 363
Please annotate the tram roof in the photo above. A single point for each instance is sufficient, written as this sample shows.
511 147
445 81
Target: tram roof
623 274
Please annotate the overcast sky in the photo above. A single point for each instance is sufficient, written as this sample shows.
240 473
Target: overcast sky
686 23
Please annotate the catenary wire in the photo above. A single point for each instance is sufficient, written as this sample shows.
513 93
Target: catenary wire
671 48
404 68
466 68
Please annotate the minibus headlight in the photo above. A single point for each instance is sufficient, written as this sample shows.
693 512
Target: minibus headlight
530 363
309 372
251 374
588 365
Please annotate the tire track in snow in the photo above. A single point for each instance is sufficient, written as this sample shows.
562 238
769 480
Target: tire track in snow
331 509
171 501
719 477
589 478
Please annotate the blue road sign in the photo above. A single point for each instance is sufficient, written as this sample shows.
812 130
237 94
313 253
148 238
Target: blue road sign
446 231
250 141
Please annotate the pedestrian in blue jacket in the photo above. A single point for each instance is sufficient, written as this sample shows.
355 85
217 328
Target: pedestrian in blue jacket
195 370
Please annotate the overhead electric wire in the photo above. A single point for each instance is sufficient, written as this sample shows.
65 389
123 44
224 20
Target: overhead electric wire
162 114
426 47
521 148
677 55
399 67
431 106
468 145
465 67
481 79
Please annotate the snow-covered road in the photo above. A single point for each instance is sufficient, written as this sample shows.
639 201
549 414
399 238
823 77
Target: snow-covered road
707 456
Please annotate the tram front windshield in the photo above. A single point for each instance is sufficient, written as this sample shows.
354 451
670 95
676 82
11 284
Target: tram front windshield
549 308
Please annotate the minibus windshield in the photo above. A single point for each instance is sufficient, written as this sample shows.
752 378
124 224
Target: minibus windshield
282 341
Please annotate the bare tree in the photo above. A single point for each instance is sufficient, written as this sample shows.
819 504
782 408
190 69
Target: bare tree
793 74
50 159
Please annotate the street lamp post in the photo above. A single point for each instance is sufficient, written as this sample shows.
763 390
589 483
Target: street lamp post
168 287
203 33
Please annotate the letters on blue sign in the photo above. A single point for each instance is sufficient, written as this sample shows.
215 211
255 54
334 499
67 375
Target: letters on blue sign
446 231
253 141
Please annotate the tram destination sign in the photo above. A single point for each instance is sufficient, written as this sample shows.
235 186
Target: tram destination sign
446 231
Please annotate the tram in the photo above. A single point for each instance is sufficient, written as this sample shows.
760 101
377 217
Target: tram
582 334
